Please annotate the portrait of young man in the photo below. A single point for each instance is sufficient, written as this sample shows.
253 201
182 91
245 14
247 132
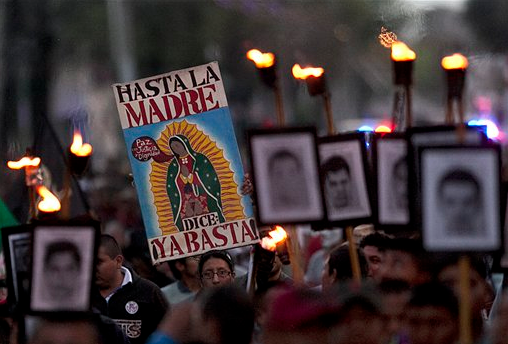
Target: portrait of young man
62 268
344 181
460 198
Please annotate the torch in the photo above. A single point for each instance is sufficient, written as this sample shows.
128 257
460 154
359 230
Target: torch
402 58
263 255
266 64
79 154
49 203
314 77
455 66
275 241
78 158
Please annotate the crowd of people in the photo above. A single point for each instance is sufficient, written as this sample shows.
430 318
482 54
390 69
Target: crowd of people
404 295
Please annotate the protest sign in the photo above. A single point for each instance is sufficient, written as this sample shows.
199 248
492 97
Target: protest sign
185 162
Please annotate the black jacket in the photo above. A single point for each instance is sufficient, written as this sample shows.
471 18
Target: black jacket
137 308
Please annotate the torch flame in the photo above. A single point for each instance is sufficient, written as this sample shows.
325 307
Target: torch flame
49 202
401 52
78 147
304 73
24 162
274 237
262 60
455 61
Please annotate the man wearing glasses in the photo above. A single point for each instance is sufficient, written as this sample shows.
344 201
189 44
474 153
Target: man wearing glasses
216 268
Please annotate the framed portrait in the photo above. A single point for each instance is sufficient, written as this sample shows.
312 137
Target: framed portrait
392 185
285 173
16 243
343 168
63 267
461 208
432 136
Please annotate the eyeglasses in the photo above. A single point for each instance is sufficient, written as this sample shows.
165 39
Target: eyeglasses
220 274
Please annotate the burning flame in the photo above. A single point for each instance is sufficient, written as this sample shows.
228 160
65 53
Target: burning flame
304 73
79 148
455 61
262 60
49 202
401 52
24 162
274 237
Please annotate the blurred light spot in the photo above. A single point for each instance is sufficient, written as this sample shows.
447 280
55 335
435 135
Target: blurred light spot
383 129
492 129
365 128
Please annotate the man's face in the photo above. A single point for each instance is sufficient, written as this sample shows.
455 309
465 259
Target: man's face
286 180
400 185
337 186
191 267
62 274
214 267
106 270
399 265
479 292
431 325
375 259
460 203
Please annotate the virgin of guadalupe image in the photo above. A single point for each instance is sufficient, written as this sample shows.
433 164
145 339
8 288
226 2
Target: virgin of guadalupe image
193 186
194 179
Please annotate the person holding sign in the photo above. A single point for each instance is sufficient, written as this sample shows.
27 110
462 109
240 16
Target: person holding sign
193 186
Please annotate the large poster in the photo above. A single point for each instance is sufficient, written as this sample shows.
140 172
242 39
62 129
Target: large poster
185 161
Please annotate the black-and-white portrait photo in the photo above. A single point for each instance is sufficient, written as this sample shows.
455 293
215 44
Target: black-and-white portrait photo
392 181
16 243
287 180
286 176
460 198
344 179
62 268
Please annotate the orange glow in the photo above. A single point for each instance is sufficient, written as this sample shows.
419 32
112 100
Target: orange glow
262 60
383 129
455 61
24 162
304 73
78 147
274 237
49 202
401 52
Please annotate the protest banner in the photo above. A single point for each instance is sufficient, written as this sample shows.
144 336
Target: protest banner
185 161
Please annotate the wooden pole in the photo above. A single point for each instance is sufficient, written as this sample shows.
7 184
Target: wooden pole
449 111
329 113
353 255
409 114
294 255
279 105
466 336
